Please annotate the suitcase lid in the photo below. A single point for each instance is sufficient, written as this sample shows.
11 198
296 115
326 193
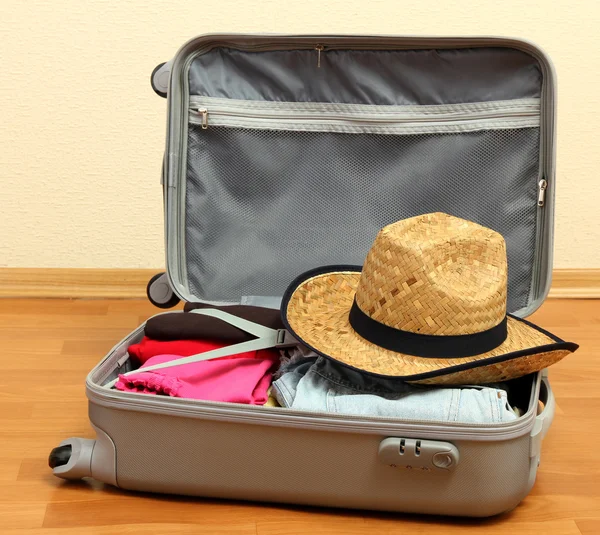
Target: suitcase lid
285 153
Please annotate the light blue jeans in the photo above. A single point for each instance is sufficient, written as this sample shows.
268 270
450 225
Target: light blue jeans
304 386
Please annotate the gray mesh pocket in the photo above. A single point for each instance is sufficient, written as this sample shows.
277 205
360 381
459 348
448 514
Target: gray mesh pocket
263 206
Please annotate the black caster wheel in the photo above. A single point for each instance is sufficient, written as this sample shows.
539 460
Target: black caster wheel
59 456
160 293
156 90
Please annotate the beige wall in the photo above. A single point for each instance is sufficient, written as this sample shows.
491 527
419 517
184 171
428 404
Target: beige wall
81 131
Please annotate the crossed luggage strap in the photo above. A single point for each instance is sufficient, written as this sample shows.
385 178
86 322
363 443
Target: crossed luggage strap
265 338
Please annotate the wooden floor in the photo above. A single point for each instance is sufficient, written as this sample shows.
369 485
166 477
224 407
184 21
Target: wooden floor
48 346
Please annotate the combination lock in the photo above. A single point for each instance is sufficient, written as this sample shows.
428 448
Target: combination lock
418 455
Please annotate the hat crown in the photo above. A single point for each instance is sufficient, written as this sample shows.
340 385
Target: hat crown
435 274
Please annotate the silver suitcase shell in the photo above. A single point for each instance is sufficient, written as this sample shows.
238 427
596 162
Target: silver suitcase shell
201 448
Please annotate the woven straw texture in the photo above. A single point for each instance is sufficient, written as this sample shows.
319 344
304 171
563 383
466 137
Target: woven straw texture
501 371
433 274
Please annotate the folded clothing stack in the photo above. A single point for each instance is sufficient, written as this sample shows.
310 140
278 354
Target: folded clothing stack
241 378
302 379
313 384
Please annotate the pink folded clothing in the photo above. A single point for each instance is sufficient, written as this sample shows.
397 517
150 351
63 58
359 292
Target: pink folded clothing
148 348
233 379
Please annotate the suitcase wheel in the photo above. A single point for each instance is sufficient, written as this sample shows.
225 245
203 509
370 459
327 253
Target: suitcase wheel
159 292
72 458
158 90
59 456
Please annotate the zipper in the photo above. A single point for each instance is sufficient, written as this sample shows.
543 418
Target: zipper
537 281
319 49
542 187
105 362
311 116
203 112
281 417
105 368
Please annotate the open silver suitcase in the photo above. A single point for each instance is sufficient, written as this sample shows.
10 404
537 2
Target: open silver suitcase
285 153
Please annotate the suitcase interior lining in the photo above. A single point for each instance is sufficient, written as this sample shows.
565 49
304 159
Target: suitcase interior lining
380 77
262 205
287 202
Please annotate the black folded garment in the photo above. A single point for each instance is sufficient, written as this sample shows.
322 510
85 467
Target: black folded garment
178 326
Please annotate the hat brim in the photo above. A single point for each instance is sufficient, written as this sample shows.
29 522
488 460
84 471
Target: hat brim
316 308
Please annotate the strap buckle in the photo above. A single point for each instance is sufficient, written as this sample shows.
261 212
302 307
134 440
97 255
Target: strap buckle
285 339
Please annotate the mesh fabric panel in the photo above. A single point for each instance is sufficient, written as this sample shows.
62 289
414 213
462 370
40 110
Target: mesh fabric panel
263 206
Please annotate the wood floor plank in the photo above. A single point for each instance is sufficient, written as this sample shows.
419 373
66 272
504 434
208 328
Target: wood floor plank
46 489
9 469
14 411
134 509
22 515
575 482
403 524
49 346
58 307
500 526
136 529
589 526
544 508
83 347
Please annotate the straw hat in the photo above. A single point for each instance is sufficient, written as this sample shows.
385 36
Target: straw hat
428 306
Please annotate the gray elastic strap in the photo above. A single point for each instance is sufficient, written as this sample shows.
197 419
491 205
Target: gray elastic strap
247 326
266 338
284 338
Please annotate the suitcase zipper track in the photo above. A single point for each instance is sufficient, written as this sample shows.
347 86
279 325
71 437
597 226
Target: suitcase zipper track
307 116
304 419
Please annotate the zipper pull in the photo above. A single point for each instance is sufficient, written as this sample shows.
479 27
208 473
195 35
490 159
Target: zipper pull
204 113
319 49
543 186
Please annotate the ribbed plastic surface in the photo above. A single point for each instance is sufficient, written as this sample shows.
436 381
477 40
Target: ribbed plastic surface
258 462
